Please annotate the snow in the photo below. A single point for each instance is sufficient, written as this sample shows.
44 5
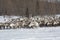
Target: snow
2 18
44 33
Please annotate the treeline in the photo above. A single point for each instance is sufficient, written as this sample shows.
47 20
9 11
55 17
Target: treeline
28 7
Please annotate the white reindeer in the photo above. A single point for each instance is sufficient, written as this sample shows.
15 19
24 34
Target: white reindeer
34 24
56 23
12 25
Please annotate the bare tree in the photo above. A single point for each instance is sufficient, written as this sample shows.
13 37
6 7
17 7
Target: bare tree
37 8
27 13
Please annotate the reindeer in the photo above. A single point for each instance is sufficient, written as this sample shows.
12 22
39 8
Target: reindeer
25 24
34 24
19 24
2 26
41 22
56 23
12 25
7 25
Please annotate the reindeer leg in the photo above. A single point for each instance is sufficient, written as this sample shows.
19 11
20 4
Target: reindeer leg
2 27
5 27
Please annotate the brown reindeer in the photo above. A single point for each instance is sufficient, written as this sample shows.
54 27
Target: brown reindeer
2 26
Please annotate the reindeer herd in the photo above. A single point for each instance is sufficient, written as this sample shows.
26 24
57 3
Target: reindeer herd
31 22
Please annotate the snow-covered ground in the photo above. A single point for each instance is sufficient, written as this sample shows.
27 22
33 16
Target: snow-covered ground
44 33
2 18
